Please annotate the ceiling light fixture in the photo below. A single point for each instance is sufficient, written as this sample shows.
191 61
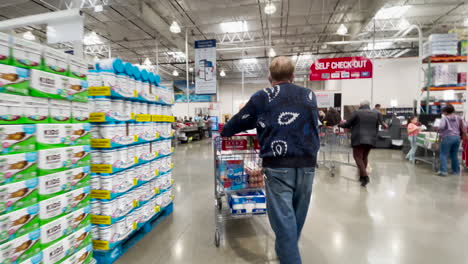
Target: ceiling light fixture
392 12
270 8
176 54
233 27
175 28
465 22
92 39
222 73
190 69
175 73
29 35
98 8
271 53
147 62
342 30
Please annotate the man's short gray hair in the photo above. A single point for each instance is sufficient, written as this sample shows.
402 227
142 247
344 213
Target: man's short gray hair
365 103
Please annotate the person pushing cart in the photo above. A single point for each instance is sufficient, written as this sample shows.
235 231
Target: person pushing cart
286 118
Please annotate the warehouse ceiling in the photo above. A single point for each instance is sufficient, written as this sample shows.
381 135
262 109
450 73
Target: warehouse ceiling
303 29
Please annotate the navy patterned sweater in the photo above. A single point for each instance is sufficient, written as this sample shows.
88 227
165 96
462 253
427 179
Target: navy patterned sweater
286 119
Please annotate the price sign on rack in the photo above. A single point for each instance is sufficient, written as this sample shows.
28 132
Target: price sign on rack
234 144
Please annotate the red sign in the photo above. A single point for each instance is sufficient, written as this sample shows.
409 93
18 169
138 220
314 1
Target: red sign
341 68
234 144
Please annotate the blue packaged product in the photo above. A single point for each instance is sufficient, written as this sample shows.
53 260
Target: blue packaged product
128 69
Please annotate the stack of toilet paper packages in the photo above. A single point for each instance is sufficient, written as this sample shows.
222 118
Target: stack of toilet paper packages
441 44
247 202
444 74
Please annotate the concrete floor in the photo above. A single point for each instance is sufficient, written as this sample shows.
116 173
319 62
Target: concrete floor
406 215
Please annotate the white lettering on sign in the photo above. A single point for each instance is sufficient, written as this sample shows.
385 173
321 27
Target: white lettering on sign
340 64
348 64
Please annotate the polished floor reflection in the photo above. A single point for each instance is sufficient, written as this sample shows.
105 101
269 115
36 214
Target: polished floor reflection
407 215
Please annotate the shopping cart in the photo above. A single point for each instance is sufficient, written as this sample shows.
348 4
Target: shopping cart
239 181
335 148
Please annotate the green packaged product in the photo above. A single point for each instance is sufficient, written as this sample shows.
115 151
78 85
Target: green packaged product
17 139
54 208
78 67
59 111
4 48
81 217
463 47
18 167
83 256
65 247
61 159
19 223
26 54
63 135
61 182
22 248
55 61
56 230
53 135
80 112
57 252
80 197
81 134
54 86
81 238
18 195
14 80
35 110
54 160
16 109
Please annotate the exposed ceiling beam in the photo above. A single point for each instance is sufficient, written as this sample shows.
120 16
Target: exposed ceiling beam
154 20
373 6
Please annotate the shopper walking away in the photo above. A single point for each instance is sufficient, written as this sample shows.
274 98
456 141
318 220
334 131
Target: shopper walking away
451 130
377 108
209 126
286 119
364 125
321 116
201 126
332 117
413 131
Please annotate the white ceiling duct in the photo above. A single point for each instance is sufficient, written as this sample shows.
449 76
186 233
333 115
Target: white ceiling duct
392 12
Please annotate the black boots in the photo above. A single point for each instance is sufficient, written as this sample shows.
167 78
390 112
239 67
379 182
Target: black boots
364 180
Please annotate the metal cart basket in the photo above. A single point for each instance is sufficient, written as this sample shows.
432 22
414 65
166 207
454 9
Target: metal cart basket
238 169
335 148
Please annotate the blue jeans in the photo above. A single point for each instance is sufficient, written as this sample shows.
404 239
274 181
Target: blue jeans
288 193
449 146
414 147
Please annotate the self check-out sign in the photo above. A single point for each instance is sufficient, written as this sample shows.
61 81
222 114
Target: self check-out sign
341 68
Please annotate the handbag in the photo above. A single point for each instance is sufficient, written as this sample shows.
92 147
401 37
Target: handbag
463 134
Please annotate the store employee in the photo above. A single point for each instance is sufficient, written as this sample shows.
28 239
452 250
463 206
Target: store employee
286 119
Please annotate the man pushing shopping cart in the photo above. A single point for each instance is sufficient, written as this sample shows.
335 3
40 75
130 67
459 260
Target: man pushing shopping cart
286 118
